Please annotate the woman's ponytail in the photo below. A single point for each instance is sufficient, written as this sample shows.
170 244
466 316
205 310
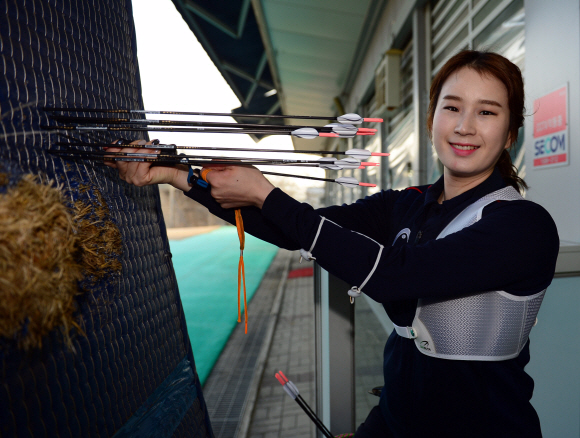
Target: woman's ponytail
509 172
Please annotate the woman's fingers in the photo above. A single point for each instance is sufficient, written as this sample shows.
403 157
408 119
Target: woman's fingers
238 186
133 172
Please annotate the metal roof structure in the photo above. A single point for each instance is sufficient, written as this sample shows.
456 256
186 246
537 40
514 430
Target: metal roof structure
285 56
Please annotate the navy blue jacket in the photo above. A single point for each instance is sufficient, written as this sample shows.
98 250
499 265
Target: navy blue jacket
512 248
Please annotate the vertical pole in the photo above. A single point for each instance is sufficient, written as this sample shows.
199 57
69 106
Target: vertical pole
171 221
385 181
420 97
321 340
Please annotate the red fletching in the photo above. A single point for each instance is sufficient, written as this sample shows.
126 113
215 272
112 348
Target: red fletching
283 376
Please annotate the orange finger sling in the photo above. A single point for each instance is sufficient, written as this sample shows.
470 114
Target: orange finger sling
241 270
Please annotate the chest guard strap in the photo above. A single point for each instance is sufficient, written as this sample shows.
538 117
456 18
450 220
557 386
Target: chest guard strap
489 326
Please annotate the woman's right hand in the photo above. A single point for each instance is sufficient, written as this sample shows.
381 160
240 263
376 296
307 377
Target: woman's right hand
141 173
238 186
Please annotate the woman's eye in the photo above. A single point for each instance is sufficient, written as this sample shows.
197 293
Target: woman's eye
451 108
487 113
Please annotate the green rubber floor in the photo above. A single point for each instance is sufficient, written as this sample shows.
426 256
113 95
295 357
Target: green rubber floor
206 267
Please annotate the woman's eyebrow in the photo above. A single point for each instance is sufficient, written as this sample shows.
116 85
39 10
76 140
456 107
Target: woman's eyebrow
451 97
481 101
490 102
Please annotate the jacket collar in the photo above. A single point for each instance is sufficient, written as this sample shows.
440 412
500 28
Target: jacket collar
491 184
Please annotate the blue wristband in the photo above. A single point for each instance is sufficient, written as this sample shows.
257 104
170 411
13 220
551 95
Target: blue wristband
192 179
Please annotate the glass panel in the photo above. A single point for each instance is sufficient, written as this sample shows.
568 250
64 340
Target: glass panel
458 22
401 147
451 47
370 336
505 33
485 11
437 8
455 7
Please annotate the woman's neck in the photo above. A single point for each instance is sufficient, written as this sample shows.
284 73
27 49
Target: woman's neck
454 185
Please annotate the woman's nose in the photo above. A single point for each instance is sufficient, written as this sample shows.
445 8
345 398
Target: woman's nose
465 125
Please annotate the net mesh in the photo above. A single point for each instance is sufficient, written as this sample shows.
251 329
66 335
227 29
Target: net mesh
80 53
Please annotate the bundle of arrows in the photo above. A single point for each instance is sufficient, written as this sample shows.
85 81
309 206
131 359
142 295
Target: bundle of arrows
345 126
120 120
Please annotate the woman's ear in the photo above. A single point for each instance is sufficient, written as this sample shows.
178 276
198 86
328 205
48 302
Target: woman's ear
509 141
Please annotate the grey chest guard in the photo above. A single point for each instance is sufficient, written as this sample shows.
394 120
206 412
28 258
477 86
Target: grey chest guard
489 326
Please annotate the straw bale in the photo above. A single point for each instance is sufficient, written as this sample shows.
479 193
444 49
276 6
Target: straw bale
100 241
49 255
39 273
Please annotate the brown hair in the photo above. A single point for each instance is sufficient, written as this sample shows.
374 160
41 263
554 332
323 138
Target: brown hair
488 63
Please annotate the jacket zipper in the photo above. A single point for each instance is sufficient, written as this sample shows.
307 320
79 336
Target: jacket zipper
419 234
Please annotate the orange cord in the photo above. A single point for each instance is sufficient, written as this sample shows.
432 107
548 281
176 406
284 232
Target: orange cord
241 270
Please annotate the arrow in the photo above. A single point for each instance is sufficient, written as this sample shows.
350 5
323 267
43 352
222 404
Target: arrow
306 133
347 181
324 163
339 128
293 392
356 153
175 159
351 118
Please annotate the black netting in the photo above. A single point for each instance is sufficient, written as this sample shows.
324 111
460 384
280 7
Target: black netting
83 53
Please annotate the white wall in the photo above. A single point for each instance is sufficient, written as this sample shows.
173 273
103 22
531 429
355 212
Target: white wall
552 59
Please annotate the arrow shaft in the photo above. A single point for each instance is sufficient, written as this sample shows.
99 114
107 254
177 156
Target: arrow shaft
193 130
186 113
300 176
350 162
192 160
358 153
116 121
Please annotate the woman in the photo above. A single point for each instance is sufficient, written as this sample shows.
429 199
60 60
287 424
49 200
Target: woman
462 286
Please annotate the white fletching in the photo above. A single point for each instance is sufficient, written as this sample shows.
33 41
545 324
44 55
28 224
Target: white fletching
307 133
347 181
349 163
353 119
358 153
343 130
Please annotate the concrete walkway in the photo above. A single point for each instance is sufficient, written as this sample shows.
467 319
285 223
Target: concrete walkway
244 398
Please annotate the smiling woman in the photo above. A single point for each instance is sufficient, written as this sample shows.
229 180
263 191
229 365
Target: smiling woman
455 270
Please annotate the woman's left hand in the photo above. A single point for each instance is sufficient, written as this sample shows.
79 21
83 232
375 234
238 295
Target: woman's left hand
238 186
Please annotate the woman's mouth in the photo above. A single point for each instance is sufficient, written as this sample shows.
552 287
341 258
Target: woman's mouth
463 149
